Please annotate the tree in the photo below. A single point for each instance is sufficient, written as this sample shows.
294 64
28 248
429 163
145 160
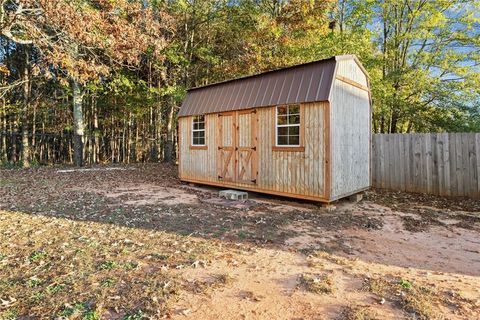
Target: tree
86 40
425 60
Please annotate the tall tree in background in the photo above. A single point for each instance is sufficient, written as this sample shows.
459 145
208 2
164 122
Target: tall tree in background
114 72
86 40
424 62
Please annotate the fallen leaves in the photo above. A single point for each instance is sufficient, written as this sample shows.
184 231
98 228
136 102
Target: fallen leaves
71 264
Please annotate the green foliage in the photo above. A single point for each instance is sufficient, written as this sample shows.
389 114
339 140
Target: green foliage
109 282
423 60
107 265
9 314
82 310
137 315
405 284
37 255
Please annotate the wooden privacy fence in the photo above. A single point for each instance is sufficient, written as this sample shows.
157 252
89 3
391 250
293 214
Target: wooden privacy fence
446 164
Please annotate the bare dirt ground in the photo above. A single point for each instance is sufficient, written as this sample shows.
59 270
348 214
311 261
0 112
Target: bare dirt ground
133 242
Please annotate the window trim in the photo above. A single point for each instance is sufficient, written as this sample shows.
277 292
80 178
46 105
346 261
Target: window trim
298 148
192 130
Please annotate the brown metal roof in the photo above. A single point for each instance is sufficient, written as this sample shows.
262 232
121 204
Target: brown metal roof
302 83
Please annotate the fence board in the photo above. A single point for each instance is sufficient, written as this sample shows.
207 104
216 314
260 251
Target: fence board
437 163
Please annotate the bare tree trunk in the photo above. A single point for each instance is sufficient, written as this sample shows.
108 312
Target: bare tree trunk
3 132
15 131
96 144
33 149
78 123
25 154
168 152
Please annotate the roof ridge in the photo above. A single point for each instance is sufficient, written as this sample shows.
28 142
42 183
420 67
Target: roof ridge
336 58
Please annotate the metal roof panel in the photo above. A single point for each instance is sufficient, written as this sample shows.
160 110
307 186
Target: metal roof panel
297 84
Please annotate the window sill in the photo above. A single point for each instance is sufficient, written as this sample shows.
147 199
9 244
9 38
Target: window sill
286 148
198 147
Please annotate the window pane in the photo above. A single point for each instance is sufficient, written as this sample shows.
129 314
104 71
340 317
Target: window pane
293 140
198 138
201 125
282 131
282 140
295 119
282 120
199 119
294 131
294 109
282 110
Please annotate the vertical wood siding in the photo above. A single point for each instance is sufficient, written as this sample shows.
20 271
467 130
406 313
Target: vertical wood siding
350 132
446 164
350 69
296 173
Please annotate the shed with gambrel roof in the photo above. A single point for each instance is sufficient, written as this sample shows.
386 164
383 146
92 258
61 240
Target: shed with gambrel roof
301 131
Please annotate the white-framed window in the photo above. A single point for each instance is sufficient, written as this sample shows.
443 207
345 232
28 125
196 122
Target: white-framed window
198 131
288 126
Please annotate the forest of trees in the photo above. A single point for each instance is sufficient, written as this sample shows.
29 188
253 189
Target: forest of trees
93 81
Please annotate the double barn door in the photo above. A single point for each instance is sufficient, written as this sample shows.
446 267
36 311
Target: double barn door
237 146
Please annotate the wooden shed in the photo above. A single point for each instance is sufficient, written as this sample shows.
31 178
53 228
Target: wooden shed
302 131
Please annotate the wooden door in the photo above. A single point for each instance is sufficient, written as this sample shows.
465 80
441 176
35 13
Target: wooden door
246 171
237 146
226 146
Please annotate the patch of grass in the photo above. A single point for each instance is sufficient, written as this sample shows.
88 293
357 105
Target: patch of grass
67 311
160 256
108 282
37 297
107 265
322 284
360 313
220 232
91 315
137 315
4 182
55 288
419 301
405 284
37 255
9 314
421 304
83 311
33 282
9 165
85 257
378 286
130 266
242 234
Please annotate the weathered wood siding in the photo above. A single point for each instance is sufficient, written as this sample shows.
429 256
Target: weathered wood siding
446 164
299 173
350 132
